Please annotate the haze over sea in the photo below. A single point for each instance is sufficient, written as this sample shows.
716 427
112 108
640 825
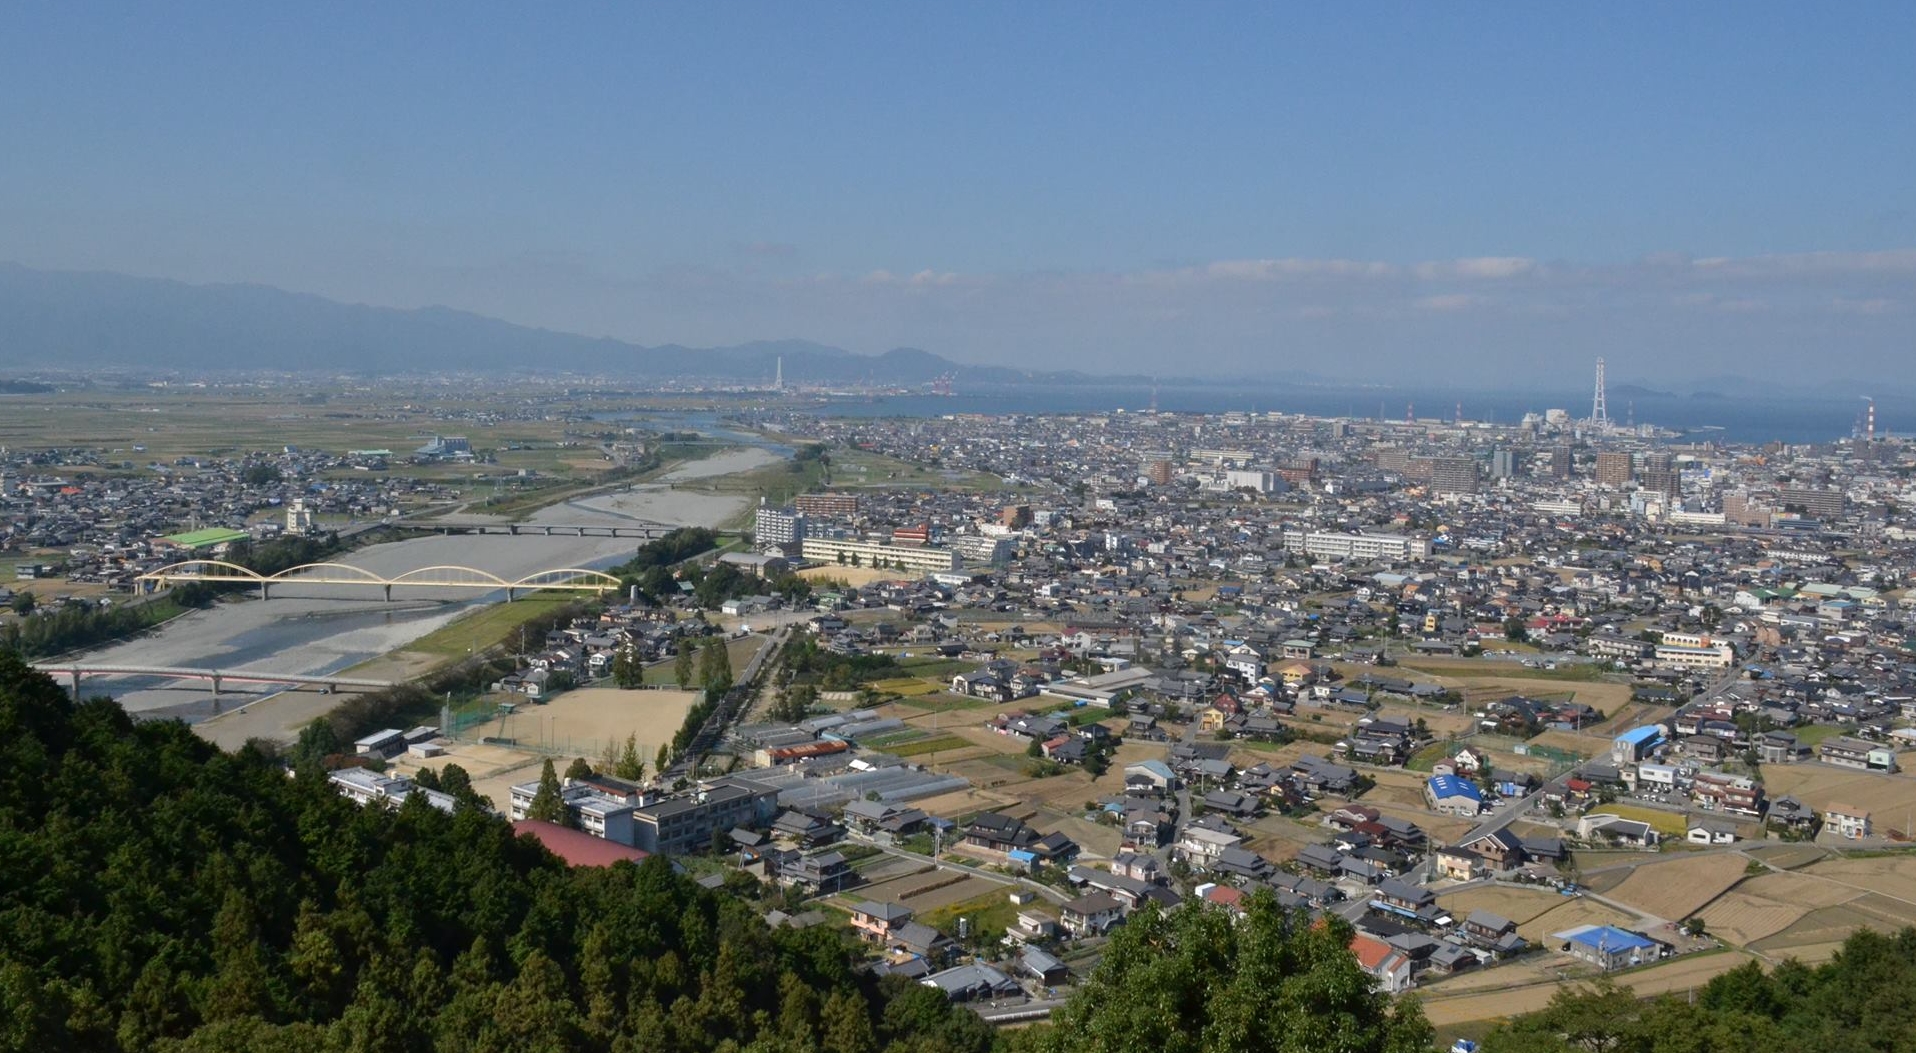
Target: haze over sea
1742 419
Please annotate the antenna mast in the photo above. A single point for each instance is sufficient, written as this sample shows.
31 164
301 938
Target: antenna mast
1599 411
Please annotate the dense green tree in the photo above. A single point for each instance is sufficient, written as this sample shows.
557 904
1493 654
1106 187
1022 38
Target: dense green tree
1202 980
684 666
548 804
580 768
627 670
715 668
629 766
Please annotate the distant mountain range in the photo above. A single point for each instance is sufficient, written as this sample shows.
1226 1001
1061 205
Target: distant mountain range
73 320
70 319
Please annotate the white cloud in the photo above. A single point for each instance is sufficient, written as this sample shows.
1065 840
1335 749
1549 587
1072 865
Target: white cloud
1485 267
1888 261
1450 302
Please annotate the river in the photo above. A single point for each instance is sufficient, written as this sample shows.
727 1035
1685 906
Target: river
316 629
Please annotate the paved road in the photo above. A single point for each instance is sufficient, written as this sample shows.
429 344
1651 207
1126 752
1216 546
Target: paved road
1507 814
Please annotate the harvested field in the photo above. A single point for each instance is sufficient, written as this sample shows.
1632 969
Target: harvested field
963 802
927 888
1761 907
1678 888
1680 974
1097 840
933 895
1518 904
1891 797
1570 913
1890 875
1786 856
1816 936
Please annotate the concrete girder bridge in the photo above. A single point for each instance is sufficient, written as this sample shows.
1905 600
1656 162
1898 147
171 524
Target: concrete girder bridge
74 671
220 572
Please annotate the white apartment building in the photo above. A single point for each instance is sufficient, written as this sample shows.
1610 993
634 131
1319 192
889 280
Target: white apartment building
877 554
1326 545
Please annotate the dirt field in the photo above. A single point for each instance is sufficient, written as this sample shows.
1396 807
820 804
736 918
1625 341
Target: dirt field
1681 974
581 723
1518 904
578 723
853 576
1676 889
1891 797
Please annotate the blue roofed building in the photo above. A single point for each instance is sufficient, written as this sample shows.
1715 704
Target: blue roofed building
1451 795
1636 744
1608 947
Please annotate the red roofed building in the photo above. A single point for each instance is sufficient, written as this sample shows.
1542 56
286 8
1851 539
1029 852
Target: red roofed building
576 847
1386 963
1225 896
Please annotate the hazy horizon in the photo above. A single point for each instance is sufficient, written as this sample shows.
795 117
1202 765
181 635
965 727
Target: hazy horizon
1490 195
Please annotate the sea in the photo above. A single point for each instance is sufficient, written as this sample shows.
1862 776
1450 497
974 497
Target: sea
1780 417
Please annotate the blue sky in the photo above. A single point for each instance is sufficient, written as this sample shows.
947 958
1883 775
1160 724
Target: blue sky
1482 190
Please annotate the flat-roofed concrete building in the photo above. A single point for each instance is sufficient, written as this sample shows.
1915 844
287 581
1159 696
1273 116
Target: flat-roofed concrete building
877 554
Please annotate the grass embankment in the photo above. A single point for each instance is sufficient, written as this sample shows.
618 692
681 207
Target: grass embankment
489 626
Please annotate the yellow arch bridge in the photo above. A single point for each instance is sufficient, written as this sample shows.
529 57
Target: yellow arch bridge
220 572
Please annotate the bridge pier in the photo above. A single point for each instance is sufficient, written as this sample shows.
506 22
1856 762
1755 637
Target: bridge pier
216 690
76 685
512 529
548 531
508 594
389 592
265 591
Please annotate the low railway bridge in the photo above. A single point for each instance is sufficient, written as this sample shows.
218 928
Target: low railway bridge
637 529
77 671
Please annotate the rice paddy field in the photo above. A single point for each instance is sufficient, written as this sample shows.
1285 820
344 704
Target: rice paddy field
1675 889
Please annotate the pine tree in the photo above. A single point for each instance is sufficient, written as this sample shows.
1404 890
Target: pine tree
715 672
683 667
548 805
630 766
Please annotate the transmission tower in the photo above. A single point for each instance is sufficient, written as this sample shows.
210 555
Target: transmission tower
1599 412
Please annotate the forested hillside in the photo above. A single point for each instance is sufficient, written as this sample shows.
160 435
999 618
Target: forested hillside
158 894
